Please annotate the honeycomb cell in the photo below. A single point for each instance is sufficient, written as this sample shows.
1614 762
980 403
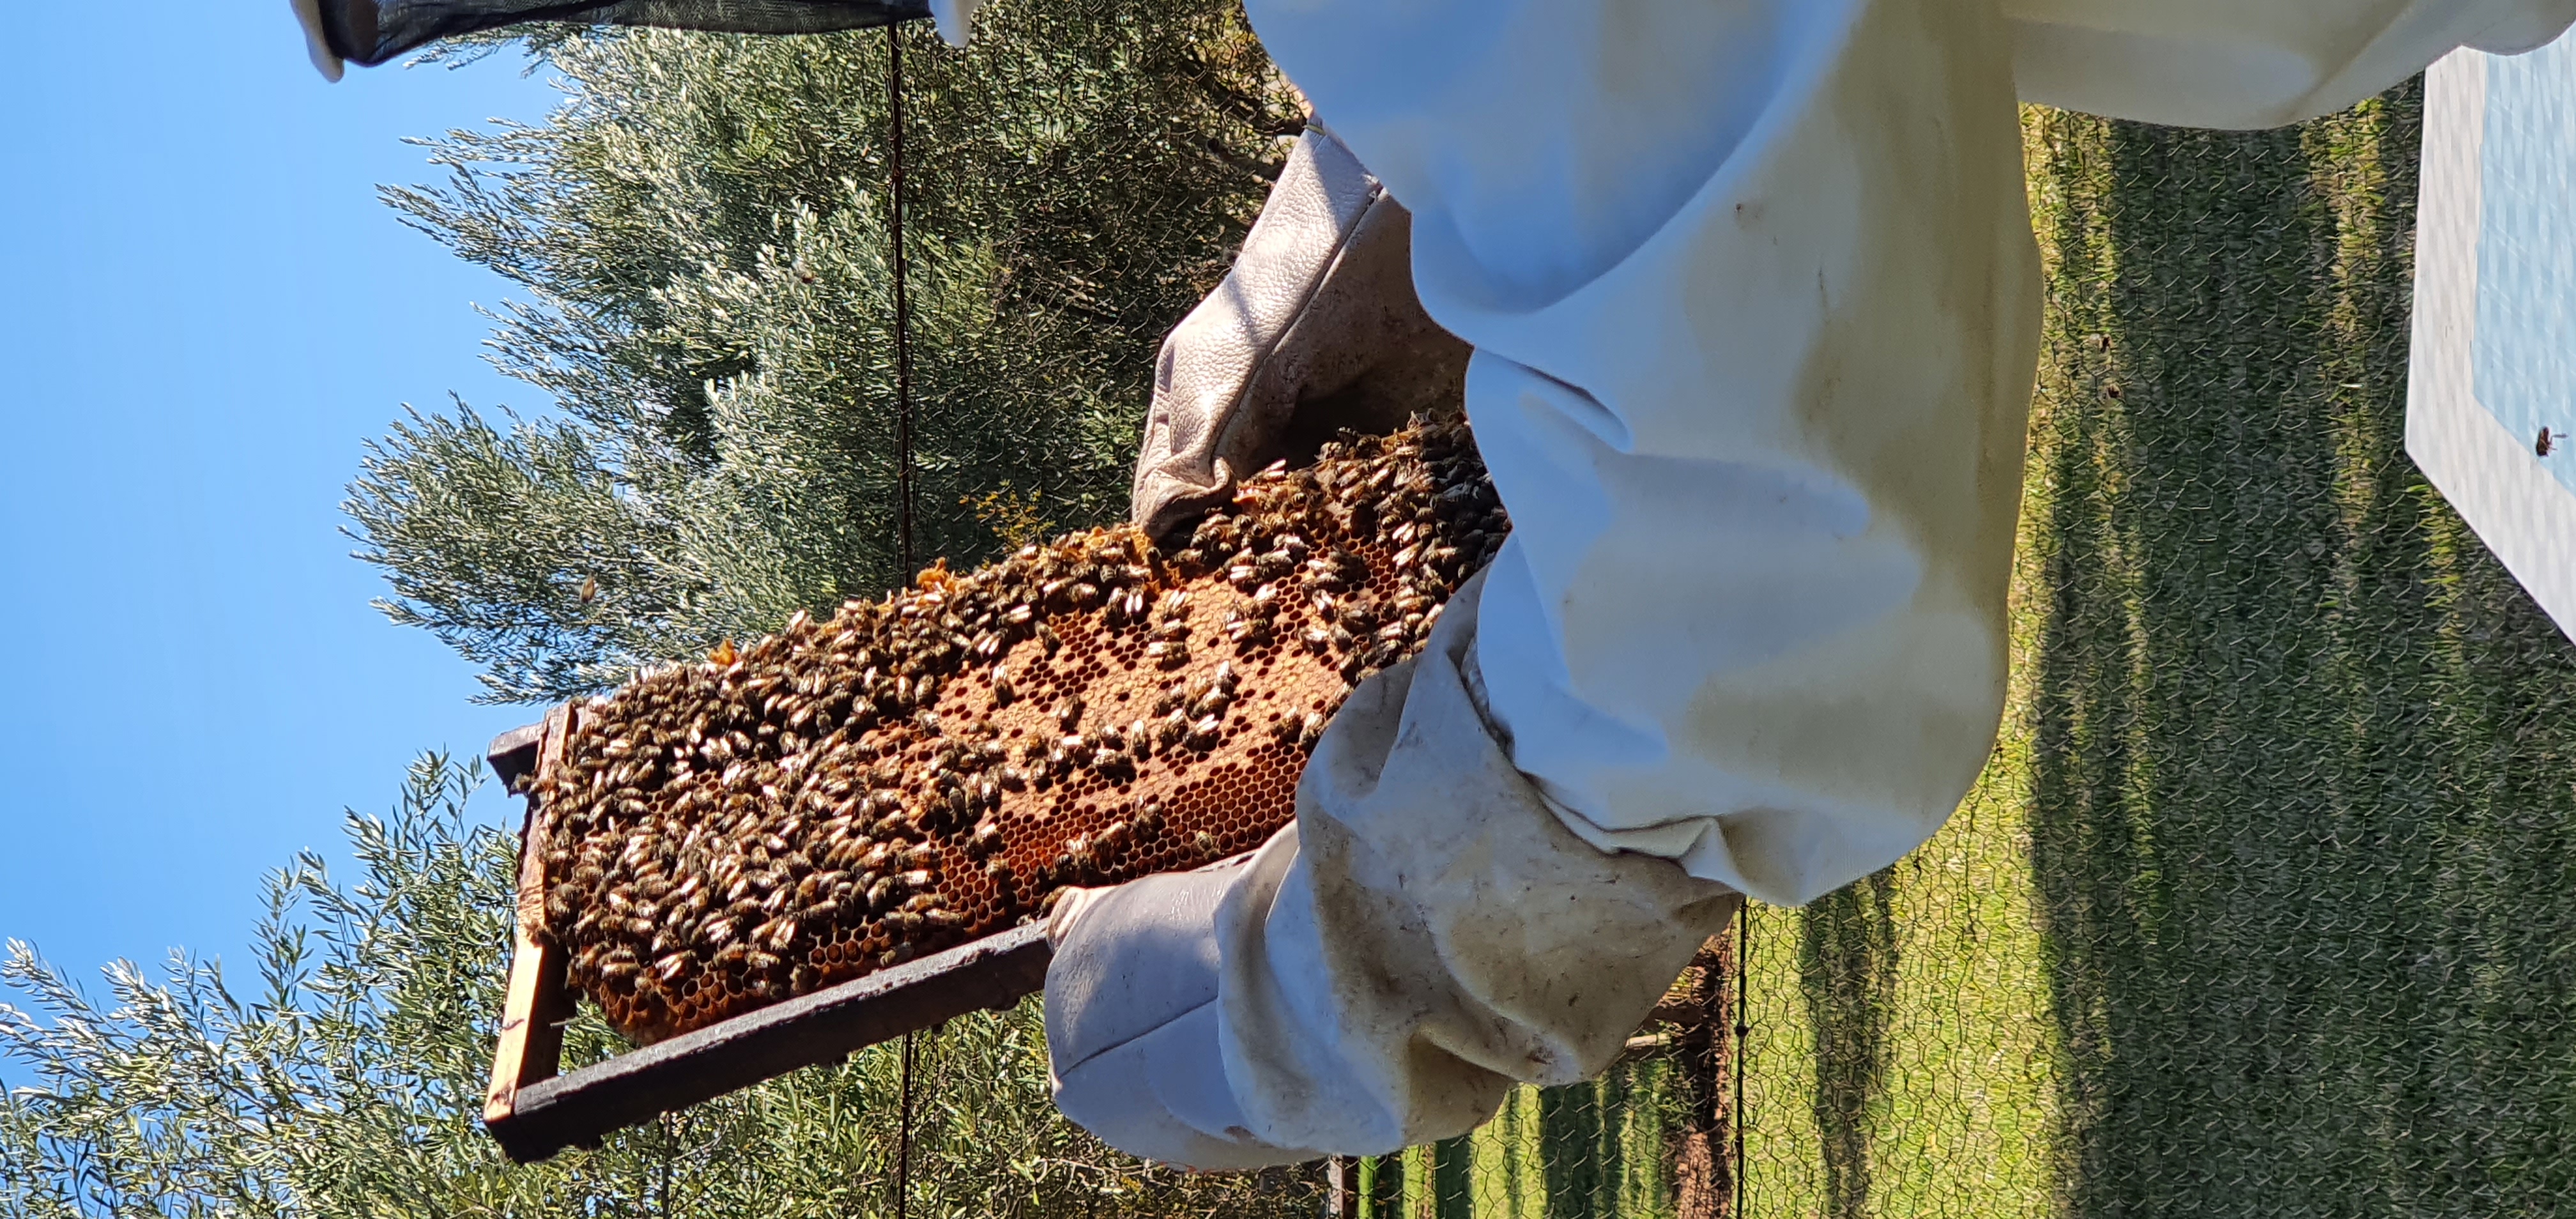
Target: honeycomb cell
908 774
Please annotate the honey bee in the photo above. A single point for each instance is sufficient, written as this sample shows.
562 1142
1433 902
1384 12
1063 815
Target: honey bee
1205 733
808 779
1310 730
2548 442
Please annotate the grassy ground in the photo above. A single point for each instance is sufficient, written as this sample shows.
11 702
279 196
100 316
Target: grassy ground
2267 903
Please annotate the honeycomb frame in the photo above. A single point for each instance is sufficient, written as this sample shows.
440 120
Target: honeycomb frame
932 769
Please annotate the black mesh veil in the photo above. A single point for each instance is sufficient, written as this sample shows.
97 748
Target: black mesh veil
373 31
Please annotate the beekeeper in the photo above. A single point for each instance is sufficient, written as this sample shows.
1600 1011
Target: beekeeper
1754 307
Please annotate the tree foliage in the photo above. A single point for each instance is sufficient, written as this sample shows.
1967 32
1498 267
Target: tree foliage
349 1083
699 239
701 235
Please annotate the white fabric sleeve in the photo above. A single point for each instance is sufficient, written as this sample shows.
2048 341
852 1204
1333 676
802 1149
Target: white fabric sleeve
1380 974
1753 298
1753 294
1754 303
2251 63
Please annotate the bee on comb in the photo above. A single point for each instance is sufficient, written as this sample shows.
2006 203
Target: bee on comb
914 773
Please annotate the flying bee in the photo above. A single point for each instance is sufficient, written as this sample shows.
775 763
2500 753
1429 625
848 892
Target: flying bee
2548 442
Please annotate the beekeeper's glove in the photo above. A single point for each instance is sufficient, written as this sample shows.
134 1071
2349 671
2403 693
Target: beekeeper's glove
1315 329
1381 973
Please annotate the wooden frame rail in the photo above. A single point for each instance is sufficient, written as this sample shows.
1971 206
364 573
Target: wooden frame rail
533 1112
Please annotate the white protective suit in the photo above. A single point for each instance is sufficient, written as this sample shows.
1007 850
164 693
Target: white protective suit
1754 304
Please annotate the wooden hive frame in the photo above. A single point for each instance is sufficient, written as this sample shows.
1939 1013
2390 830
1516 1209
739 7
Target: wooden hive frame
533 1111
1352 558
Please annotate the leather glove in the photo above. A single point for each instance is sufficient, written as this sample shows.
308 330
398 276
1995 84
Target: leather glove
1315 329
1131 1020
1382 972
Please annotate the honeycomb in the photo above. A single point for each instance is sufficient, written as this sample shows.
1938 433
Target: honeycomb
914 773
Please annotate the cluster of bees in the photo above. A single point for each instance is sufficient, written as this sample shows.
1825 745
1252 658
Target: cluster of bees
914 773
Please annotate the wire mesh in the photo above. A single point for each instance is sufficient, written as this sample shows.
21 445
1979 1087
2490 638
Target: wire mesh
1593 1151
2263 906
1652 1137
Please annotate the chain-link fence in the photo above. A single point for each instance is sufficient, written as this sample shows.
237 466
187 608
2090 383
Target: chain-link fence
1653 1137
2266 904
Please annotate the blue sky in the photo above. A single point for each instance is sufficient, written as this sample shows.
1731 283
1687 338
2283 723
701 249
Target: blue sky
208 314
